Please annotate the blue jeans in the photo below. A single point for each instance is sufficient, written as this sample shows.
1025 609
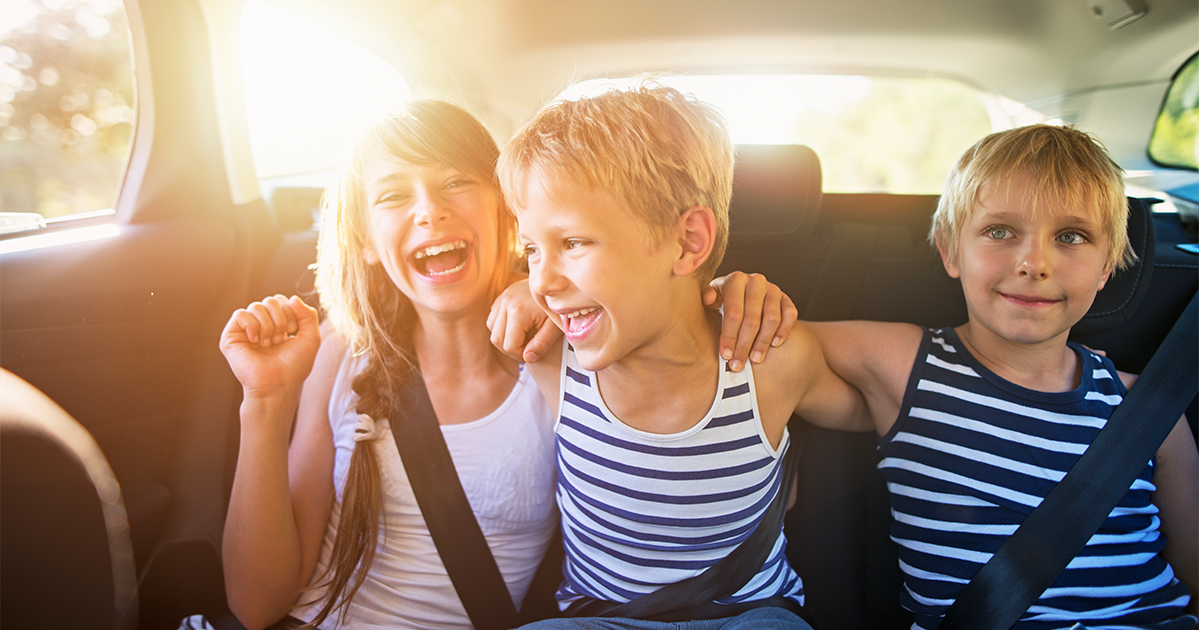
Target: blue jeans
755 619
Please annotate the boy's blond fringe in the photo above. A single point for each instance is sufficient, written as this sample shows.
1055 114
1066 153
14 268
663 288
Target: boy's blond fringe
656 150
1063 164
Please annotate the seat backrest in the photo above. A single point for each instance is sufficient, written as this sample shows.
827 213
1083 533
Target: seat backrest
296 211
66 560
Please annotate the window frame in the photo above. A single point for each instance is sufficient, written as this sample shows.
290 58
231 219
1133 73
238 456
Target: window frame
134 167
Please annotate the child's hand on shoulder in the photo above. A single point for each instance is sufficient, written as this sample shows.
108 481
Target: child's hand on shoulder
518 325
271 345
757 316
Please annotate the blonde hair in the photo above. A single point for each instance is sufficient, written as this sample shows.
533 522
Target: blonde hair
652 147
1063 164
376 319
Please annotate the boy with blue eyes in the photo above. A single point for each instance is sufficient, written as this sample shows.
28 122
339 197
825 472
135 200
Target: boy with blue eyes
978 423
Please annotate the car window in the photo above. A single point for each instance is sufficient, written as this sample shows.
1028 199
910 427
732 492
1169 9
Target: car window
66 108
1173 142
873 134
307 91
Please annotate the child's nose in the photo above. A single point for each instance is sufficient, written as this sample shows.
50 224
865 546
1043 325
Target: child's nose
1035 261
429 211
545 278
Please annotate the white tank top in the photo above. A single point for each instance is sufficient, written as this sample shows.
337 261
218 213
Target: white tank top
505 461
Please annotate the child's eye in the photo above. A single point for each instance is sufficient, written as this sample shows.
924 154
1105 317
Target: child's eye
998 233
1072 238
457 183
530 251
574 243
391 198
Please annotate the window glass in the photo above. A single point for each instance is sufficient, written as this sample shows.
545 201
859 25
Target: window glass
897 135
308 93
1174 138
66 105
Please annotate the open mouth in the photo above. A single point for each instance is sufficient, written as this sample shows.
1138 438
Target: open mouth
441 260
577 322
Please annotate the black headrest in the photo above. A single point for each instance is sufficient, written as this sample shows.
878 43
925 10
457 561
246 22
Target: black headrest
1126 289
776 193
296 207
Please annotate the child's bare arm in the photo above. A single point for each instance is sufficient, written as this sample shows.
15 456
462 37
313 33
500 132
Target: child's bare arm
1177 497
874 357
826 399
279 506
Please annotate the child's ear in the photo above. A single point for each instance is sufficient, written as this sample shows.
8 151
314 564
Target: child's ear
1107 273
369 254
950 262
697 237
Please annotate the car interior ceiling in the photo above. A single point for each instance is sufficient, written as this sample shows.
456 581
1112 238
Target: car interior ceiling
122 333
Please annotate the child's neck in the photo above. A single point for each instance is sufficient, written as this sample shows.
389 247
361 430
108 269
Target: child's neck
1049 366
668 385
457 351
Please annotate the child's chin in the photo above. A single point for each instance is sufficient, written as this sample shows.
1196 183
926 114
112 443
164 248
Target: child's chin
591 361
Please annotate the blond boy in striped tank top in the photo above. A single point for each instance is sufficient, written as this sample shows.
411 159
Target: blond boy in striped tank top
622 204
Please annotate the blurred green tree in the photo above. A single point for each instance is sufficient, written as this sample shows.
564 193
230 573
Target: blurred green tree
901 137
66 106
1175 140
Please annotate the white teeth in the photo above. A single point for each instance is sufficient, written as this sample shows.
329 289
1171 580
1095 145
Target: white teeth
439 249
583 312
447 271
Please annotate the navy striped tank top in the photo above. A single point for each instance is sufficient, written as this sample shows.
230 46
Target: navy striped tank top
643 510
972 454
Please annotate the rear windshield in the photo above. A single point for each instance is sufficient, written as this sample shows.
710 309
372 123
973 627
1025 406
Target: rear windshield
873 134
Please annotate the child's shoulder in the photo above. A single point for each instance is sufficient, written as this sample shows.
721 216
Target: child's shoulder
1095 365
796 353
1101 359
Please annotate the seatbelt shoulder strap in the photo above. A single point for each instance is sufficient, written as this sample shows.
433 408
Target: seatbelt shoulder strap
447 512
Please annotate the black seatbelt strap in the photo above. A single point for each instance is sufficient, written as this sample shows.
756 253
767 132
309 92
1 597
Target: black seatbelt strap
844 268
682 600
1052 535
447 512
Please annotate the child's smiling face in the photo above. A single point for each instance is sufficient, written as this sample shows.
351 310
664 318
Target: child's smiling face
593 270
434 230
1028 274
